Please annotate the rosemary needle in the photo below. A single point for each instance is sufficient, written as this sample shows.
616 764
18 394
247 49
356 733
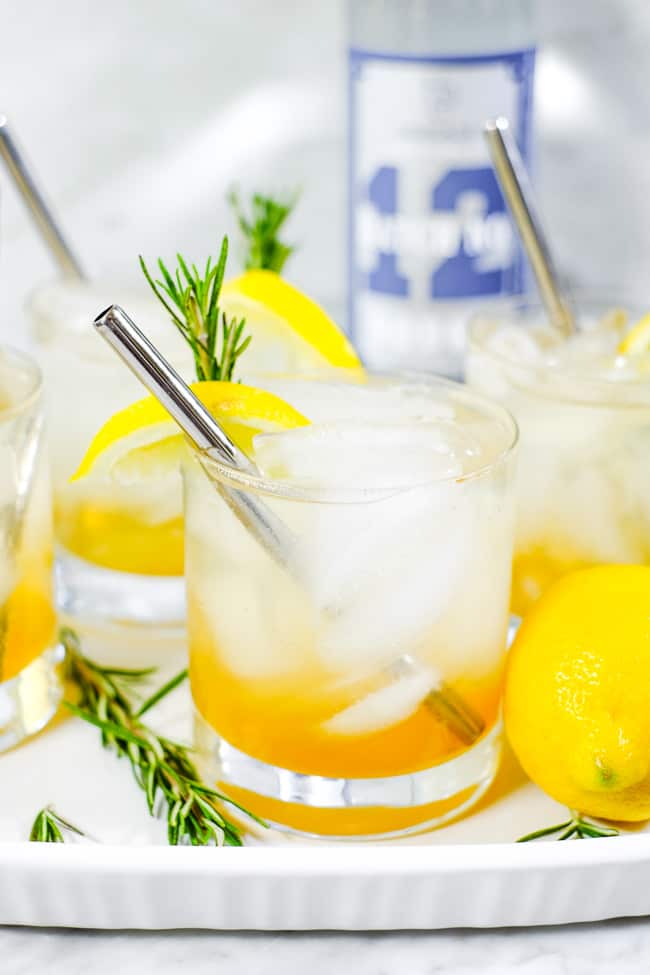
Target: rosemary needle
48 826
576 827
191 299
161 767
160 693
260 230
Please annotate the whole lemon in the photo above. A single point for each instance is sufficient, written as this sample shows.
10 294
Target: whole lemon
577 693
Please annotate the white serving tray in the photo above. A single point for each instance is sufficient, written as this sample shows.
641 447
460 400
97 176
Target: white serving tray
470 874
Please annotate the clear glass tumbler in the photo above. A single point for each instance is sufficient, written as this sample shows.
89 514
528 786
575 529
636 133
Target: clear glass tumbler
30 682
352 687
119 555
584 414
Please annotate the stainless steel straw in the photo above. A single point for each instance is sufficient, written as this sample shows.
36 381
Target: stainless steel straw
47 225
144 360
515 185
197 423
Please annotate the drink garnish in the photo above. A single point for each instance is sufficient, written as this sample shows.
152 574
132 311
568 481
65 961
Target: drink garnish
192 301
162 768
575 694
49 827
143 441
637 340
576 827
264 250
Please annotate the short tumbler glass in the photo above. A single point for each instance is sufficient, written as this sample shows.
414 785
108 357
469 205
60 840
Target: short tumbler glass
323 685
119 553
30 682
584 415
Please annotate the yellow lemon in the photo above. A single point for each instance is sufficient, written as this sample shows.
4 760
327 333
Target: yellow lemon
143 441
637 340
291 333
577 694
123 507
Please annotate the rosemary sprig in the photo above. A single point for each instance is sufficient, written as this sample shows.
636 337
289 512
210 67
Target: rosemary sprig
260 230
47 827
191 299
162 768
575 827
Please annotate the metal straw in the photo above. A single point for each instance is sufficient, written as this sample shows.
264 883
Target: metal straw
515 185
197 423
47 225
207 435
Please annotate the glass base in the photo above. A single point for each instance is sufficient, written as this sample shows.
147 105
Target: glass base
30 699
89 592
342 808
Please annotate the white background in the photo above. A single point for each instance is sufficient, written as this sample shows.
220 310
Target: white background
138 114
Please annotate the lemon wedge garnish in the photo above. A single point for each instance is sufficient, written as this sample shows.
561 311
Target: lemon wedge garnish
142 441
123 507
290 332
637 340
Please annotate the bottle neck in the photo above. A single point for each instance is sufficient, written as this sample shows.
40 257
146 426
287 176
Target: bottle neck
441 27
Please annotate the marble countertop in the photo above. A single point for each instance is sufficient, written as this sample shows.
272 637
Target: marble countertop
100 128
622 947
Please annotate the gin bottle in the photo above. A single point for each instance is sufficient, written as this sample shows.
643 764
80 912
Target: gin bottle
429 236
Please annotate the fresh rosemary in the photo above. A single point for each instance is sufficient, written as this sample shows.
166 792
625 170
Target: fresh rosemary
48 826
162 768
576 827
191 299
260 230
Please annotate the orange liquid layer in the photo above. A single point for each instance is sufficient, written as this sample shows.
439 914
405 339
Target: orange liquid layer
116 539
282 723
368 821
534 570
27 625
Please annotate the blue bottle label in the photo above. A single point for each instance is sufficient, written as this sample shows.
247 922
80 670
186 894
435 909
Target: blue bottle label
427 220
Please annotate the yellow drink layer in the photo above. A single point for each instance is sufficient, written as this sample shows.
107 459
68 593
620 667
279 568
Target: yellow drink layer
27 622
27 615
291 723
120 539
30 679
536 567
362 821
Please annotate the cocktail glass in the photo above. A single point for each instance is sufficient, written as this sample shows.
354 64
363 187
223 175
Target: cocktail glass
584 416
30 684
119 555
314 679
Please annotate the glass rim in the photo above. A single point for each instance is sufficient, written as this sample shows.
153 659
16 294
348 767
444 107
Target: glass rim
30 367
37 302
292 491
121 280
513 311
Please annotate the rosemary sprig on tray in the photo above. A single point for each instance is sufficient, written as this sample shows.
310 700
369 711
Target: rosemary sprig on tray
260 230
191 299
576 827
162 768
48 826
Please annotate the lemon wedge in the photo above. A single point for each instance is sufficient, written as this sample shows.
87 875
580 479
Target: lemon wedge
142 441
122 508
637 340
290 332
